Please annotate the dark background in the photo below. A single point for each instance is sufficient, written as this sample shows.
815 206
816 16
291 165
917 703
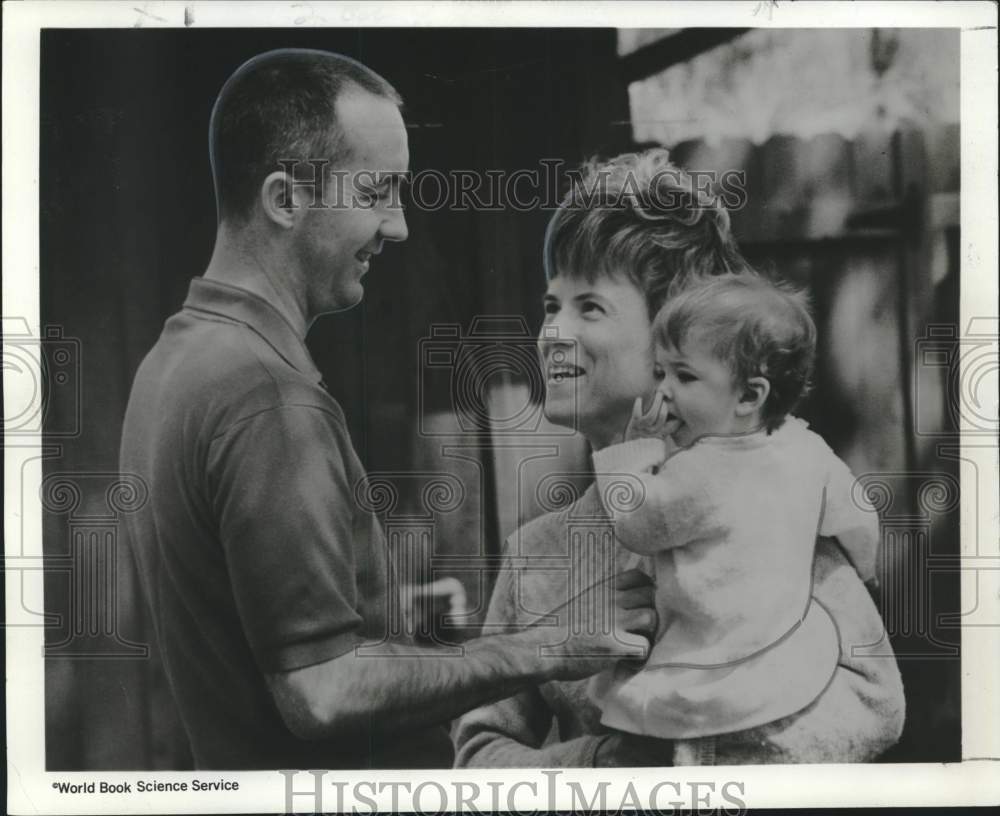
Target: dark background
128 218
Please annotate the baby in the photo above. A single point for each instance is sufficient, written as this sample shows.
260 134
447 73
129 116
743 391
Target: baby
734 493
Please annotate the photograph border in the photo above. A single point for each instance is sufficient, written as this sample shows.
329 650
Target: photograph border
973 781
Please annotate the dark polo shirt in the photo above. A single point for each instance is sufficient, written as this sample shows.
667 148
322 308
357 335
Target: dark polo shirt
252 549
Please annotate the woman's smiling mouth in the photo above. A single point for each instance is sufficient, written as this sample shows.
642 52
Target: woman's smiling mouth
560 373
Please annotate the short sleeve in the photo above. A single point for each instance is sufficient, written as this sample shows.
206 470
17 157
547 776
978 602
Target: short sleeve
280 490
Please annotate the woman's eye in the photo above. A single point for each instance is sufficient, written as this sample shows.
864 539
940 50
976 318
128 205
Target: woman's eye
550 307
591 306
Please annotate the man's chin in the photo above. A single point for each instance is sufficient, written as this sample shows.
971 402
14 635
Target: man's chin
346 301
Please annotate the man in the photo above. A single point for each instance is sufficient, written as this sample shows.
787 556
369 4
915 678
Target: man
262 572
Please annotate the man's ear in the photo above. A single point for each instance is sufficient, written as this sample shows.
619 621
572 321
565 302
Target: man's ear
754 395
278 199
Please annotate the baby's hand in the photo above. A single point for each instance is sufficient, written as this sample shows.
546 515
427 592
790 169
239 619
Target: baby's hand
647 424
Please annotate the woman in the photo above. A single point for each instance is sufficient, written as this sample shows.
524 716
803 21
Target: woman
630 231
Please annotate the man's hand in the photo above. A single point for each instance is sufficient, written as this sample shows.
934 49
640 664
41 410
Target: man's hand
648 424
610 621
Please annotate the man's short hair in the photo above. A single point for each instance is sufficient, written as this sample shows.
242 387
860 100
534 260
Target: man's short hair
640 215
280 105
758 327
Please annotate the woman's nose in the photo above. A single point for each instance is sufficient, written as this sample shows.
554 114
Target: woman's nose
556 336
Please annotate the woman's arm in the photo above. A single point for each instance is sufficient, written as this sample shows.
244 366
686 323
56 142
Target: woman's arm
868 673
510 733
860 714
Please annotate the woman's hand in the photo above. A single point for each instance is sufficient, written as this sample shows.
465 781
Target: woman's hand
648 424
621 750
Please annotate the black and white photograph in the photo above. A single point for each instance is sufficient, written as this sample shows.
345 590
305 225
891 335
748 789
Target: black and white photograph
464 407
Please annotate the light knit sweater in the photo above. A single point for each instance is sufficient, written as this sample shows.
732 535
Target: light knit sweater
731 525
857 717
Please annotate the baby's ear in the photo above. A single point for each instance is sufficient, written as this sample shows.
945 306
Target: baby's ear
754 395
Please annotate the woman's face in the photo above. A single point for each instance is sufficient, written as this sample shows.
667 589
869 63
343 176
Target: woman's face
596 348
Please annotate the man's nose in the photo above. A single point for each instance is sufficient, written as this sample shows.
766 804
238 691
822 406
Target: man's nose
394 226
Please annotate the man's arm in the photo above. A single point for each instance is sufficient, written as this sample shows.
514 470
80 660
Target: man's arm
395 690
285 503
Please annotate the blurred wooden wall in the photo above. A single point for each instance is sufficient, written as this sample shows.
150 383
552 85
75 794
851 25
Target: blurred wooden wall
871 226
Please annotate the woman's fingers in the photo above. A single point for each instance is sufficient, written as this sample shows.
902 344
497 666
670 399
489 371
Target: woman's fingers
661 416
654 406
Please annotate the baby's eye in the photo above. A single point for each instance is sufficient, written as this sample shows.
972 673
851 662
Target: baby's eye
658 372
686 376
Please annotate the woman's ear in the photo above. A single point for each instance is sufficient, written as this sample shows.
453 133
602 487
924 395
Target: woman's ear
754 395
278 199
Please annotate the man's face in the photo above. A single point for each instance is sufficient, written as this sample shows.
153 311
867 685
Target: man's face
335 242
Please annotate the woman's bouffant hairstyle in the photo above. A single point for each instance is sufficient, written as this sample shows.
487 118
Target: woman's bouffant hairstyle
758 327
639 215
278 106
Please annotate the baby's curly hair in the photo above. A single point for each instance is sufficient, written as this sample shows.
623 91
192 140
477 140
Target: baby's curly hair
639 215
758 327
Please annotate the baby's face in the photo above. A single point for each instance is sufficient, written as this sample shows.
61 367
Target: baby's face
699 391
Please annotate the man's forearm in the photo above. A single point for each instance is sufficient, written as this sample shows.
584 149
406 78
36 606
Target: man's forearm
393 687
